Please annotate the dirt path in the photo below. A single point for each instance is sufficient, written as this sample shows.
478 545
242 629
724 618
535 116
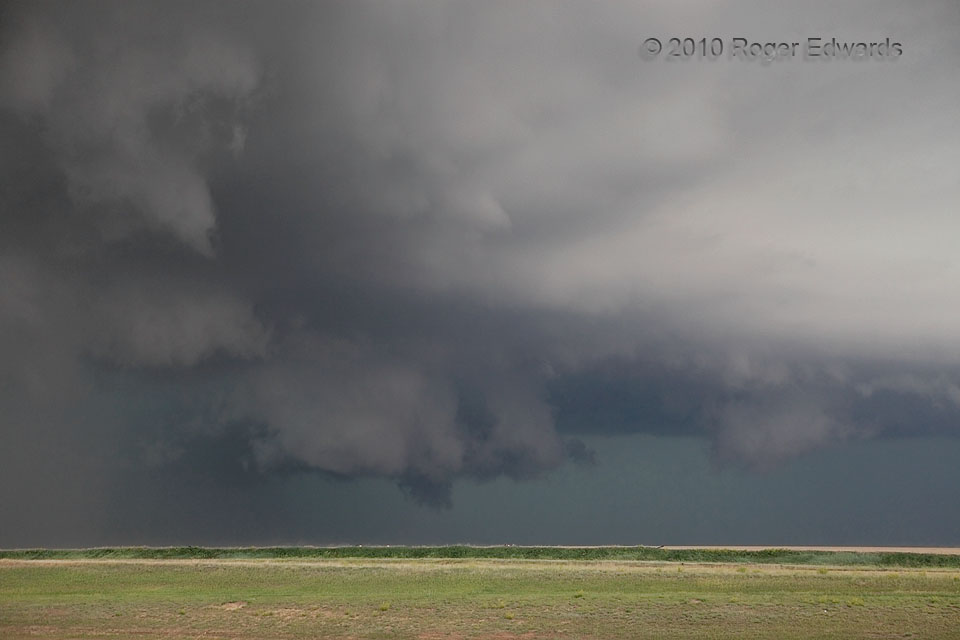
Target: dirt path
947 551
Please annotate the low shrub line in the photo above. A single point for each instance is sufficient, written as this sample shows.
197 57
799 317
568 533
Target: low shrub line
764 556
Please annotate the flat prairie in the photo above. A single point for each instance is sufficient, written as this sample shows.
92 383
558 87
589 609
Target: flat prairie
423 598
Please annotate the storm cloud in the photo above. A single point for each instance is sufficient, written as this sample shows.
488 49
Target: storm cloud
435 241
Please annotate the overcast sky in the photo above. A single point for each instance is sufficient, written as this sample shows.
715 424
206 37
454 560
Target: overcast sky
438 271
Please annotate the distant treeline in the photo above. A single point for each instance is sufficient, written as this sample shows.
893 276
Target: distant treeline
651 554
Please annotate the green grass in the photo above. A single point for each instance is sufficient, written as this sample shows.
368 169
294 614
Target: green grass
364 597
651 554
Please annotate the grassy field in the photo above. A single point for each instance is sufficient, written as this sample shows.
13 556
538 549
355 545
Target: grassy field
804 556
470 597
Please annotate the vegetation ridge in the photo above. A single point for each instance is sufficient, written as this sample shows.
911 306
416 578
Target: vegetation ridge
508 552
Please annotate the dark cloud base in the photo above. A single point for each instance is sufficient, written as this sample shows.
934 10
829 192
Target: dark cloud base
435 254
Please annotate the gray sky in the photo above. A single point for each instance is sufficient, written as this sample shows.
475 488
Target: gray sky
270 272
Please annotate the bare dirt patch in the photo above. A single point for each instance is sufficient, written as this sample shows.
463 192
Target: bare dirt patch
948 551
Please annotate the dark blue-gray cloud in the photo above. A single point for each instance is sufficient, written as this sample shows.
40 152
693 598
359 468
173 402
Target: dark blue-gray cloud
435 241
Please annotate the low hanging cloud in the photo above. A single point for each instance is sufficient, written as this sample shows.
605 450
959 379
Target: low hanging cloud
433 242
346 409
